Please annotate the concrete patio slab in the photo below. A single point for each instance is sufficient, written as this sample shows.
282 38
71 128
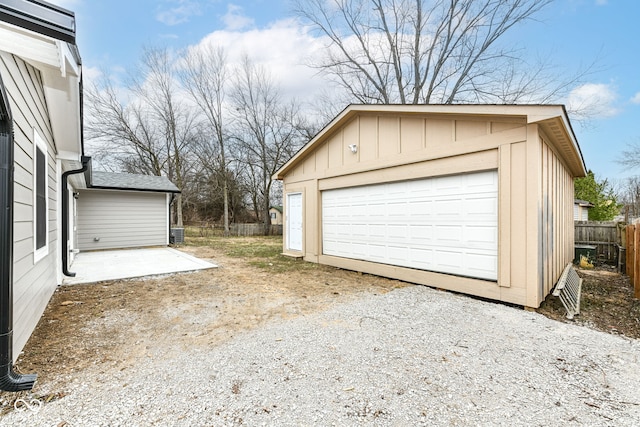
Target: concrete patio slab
91 267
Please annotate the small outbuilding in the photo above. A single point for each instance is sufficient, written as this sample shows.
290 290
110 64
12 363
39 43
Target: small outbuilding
472 198
275 213
581 210
120 210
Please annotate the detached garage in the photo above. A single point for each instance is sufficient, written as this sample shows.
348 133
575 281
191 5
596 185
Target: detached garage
471 198
123 211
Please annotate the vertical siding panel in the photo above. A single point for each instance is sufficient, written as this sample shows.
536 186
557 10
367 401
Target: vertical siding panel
351 135
411 134
518 202
389 134
533 217
504 215
368 143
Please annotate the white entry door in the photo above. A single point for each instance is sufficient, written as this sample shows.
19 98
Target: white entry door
444 224
294 221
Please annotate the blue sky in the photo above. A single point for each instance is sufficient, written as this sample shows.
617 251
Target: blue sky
571 33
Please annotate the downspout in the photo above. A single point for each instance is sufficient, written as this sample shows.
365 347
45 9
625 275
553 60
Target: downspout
172 239
65 193
9 379
65 214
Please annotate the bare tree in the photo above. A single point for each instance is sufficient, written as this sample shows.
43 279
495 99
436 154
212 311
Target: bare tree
154 131
429 51
630 157
204 75
267 132
629 195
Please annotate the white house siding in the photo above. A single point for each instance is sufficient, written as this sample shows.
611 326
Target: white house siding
121 219
33 284
580 213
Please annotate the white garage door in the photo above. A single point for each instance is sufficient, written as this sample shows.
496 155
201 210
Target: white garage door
445 224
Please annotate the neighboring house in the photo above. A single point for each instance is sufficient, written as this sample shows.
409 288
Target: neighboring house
123 211
43 169
472 198
275 212
581 210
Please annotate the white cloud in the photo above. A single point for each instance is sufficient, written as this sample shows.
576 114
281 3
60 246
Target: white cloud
235 20
593 100
636 98
91 74
282 48
180 13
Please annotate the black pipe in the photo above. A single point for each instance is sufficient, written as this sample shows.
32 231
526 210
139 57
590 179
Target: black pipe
172 238
9 379
65 214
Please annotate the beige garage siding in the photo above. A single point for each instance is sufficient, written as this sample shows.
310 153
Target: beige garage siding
121 219
532 148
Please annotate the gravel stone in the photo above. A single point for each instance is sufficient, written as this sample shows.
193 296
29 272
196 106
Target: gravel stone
413 356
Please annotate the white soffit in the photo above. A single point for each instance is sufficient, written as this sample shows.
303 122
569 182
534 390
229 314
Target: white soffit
60 74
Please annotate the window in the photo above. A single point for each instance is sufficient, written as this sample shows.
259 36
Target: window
273 215
40 199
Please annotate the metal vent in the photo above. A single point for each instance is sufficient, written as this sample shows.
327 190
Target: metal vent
568 289
177 236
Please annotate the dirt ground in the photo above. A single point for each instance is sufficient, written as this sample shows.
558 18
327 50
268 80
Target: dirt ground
607 303
118 323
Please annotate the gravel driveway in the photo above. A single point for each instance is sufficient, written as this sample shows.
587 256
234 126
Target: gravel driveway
413 356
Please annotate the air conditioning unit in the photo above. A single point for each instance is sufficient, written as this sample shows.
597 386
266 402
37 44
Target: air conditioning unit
176 236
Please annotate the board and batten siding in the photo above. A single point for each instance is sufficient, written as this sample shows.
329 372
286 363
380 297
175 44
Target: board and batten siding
535 191
557 217
33 282
121 219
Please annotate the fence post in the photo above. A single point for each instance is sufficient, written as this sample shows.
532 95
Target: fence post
630 252
636 261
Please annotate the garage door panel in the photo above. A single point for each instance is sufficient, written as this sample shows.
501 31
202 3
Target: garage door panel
445 224
482 264
481 206
398 253
421 233
479 236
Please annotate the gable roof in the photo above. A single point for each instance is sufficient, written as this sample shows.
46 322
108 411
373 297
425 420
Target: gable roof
132 182
552 118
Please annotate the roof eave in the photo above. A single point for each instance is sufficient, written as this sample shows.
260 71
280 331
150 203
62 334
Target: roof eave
40 17
145 190
532 113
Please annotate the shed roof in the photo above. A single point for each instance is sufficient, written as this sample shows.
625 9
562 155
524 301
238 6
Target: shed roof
583 203
552 118
133 182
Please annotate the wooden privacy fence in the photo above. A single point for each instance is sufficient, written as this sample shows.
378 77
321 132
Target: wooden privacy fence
249 229
606 236
253 230
633 255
